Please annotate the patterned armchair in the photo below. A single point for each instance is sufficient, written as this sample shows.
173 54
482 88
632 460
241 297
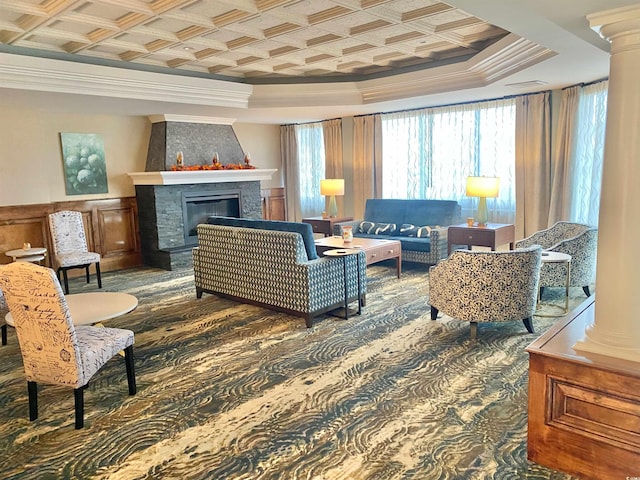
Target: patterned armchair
70 246
576 239
271 268
481 286
54 351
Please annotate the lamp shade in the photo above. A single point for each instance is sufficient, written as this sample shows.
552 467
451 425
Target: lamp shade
484 187
332 186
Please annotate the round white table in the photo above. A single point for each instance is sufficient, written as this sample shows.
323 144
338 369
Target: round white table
557 257
94 307
33 254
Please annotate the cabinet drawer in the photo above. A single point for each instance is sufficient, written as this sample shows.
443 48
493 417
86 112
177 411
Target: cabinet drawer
389 251
374 255
480 237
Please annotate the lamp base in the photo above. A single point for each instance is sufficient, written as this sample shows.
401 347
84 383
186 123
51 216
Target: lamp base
482 215
333 207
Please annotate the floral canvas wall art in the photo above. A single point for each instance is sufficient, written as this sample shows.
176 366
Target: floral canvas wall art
85 168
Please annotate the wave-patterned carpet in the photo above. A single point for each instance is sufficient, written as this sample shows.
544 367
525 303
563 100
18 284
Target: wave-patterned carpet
232 391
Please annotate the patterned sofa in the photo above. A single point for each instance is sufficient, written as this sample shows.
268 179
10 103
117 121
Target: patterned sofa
419 225
273 264
479 286
576 239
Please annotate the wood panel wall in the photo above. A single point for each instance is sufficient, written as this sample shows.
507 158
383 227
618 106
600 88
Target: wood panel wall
273 204
111 227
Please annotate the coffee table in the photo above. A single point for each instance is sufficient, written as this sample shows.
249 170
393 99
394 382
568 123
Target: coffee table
375 249
94 307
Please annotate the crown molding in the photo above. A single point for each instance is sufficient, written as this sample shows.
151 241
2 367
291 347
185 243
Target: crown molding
60 76
191 119
509 55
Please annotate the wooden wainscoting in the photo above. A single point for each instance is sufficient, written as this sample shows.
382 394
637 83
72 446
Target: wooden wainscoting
111 227
273 204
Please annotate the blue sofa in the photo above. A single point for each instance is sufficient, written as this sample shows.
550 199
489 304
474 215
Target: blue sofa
273 264
419 225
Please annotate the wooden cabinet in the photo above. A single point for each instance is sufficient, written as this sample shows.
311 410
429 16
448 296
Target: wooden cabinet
273 204
584 409
111 228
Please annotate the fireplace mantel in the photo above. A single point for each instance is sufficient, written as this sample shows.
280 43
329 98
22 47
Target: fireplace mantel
201 176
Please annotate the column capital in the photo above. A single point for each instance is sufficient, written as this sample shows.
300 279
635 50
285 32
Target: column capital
620 26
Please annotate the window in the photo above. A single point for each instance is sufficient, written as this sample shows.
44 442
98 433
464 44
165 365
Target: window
311 163
430 153
588 153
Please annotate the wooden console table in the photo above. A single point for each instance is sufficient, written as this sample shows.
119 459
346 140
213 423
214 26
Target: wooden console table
492 235
584 408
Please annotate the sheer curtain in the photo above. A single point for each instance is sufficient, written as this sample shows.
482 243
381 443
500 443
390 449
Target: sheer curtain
429 153
588 153
311 168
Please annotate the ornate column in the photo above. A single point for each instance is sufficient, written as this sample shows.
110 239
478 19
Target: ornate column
616 328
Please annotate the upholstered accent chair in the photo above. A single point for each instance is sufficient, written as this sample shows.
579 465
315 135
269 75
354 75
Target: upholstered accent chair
576 239
70 246
482 286
3 311
54 351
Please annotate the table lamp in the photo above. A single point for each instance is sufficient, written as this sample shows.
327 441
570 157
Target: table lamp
482 187
332 187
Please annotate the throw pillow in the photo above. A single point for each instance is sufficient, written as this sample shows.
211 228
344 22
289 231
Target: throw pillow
384 228
408 230
423 232
366 227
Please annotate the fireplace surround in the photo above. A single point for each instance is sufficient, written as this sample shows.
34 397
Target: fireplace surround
163 238
171 203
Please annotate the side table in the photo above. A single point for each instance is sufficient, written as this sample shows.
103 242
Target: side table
558 257
344 253
33 254
325 225
491 235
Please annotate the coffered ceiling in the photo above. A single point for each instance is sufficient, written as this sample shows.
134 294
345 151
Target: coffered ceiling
252 40
282 61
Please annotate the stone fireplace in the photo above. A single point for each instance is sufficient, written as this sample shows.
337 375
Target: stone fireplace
172 203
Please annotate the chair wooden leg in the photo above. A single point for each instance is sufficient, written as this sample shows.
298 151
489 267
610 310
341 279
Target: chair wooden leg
585 289
86 272
98 275
434 313
32 388
4 334
78 394
528 323
131 374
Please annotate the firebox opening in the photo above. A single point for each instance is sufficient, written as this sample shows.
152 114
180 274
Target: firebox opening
197 207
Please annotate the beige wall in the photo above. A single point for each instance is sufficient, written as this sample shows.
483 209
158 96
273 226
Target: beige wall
31 168
263 142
